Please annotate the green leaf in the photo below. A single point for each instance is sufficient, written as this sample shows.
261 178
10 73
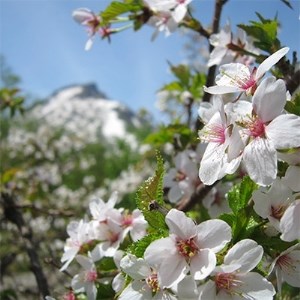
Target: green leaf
173 86
182 72
240 194
287 3
293 106
138 248
118 8
264 33
152 190
166 134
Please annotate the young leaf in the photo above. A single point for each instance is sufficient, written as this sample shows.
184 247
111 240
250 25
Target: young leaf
240 194
118 8
152 190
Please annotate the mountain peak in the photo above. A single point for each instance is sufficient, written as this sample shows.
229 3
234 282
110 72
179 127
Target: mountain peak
78 92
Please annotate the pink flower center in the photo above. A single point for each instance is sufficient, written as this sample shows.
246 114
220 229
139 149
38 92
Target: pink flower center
187 248
69 296
127 220
214 133
284 262
226 281
152 282
255 127
91 276
113 237
180 176
277 212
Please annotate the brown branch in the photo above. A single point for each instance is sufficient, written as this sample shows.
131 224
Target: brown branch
293 82
13 214
187 203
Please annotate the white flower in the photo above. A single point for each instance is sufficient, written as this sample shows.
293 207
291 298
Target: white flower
164 22
219 157
85 280
236 77
271 204
216 201
189 247
266 129
87 18
290 223
233 279
291 178
110 234
178 8
79 233
220 41
287 267
145 283
101 210
183 179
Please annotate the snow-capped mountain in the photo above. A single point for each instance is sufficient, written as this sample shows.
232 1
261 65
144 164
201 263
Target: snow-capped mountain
85 111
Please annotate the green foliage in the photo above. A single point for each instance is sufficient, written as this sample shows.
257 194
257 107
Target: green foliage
264 33
293 106
116 9
9 99
152 190
239 195
241 220
138 248
179 133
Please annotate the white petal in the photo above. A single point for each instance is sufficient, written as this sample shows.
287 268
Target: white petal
255 286
262 205
175 194
208 291
284 131
202 264
172 270
213 234
291 272
179 12
187 288
292 178
118 282
218 89
89 44
268 63
260 161
81 15
85 262
216 56
180 225
159 250
134 291
269 99
136 268
246 253
212 163
290 223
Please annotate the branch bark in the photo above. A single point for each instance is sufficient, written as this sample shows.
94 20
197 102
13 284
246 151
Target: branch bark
13 214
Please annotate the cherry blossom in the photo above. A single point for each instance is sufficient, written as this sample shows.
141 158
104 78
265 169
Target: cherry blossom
85 280
233 279
219 158
271 204
189 248
164 22
87 18
145 283
290 222
287 267
79 233
178 8
236 77
183 178
266 129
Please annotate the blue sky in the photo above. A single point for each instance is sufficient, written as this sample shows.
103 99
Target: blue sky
45 47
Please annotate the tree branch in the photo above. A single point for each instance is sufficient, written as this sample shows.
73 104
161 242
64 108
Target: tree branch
13 214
